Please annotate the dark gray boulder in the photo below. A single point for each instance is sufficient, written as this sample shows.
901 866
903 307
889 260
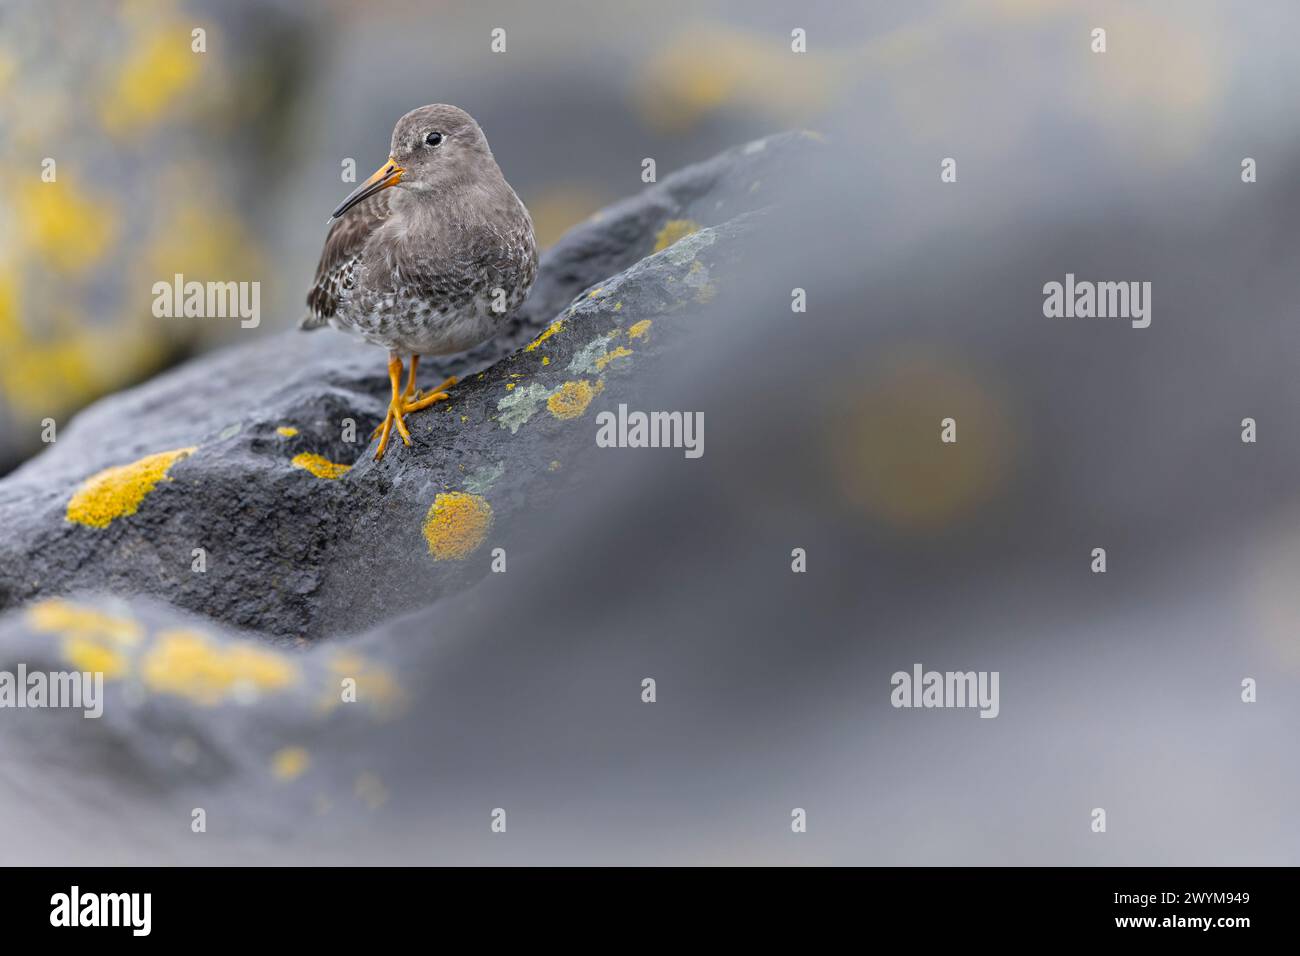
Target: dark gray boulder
218 695
242 488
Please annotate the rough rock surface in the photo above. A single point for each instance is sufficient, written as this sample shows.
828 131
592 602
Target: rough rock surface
220 699
240 486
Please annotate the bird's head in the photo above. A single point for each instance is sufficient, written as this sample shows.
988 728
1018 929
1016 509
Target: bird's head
433 147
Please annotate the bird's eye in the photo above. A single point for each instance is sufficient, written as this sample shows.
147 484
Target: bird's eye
433 139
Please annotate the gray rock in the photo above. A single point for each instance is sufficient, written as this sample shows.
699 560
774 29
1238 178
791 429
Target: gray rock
291 553
217 695
189 716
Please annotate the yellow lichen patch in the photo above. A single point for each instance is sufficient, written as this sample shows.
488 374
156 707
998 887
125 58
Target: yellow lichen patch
189 664
572 398
119 491
86 623
595 292
373 686
510 386
288 431
618 306
91 656
69 230
639 330
456 525
91 638
555 210
546 360
608 357
673 230
717 70
190 236
551 329
319 465
347 663
289 763
885 445
152 79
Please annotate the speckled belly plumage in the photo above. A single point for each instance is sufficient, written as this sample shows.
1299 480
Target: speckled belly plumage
445 313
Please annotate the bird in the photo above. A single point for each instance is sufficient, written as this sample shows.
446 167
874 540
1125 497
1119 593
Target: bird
428 256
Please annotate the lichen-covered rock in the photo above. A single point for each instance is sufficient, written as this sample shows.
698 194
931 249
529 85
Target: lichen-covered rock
192 722
192 539
77 249
240 487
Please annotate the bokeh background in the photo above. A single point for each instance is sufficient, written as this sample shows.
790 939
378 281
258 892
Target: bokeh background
1118 691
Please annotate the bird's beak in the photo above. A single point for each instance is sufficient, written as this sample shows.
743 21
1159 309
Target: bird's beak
389 174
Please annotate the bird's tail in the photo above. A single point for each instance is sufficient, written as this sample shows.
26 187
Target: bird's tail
312 321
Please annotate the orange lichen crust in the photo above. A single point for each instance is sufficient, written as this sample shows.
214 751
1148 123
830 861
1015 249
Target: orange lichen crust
320 466
186 663
571 399
456 525
673 230
119 491
550 330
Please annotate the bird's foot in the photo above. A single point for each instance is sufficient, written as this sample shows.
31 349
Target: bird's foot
411 400
422 399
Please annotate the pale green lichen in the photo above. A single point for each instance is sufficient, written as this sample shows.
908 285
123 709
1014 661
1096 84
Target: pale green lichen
484 477
697 277
521 405
567 400
584 360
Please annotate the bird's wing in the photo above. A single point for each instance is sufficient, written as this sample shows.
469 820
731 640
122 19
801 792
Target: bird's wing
339 259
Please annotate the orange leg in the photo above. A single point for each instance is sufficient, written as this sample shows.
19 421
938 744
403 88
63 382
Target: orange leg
410 381
394 415
400 404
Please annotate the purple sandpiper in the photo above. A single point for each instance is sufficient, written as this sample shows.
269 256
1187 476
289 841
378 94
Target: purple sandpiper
428 256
